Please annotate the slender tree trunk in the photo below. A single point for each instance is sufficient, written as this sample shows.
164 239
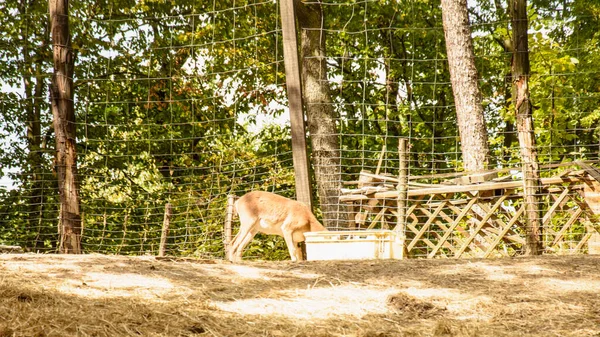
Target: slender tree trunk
524 122
63 111
32 126
319 110
463 75
35 159
33 84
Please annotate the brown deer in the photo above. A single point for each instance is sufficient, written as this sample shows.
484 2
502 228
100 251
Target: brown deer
272 214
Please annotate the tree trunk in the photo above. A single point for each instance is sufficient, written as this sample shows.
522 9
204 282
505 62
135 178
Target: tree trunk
463 75
319 110
524 121
61 96
33 84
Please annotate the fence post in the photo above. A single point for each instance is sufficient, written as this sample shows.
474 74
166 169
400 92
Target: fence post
402 185
228 224
294 92
165 230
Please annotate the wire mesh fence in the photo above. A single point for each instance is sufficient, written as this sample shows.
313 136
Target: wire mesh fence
185 104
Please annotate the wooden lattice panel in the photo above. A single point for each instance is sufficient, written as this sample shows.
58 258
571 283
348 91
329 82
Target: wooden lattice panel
487 219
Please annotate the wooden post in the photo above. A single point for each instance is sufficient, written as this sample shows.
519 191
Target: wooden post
228 224
381 155
63 112
165 230
11 249
524 120
402 185
294 92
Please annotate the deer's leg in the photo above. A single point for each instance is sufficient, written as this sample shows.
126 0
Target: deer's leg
236 245
295 251
244 241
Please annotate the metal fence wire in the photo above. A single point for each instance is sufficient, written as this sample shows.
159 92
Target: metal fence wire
179 105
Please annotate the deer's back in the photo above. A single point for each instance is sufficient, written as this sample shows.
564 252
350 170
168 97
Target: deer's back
272 208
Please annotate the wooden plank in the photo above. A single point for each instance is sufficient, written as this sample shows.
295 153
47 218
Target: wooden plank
554 206
504 170
591 237
368 190
294 92
165 230
227 235
379 177
402 185
475 187
441 225
565 172
444 243
591 194
360 218
582 242
411 209
377 218
505 230
570 222
414 240
11 249
491 234
426 225
381 155
481 224
516 239
365 178
476 178
352 197
589 169
497 219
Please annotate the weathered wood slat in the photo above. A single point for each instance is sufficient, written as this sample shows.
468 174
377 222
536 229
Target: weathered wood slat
475 187
570 222
424 240
491 234
478 228
294 93
441 225
365 190
453 225
496 218
379 177
411 209
426 226
476 178
377 218
352 197
557 203
589 169
583 241
11 249
505 230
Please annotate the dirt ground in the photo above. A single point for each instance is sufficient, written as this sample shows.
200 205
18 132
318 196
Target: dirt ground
97 295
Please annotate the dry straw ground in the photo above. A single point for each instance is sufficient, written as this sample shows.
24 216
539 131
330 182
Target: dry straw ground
95 295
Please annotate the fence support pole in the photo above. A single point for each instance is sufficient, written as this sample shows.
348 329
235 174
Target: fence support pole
402 193
165 230
294 92
228 224
402 185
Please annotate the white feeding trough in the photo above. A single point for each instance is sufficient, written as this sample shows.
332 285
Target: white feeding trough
354 245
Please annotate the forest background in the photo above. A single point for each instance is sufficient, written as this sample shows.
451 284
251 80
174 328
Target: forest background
184 103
